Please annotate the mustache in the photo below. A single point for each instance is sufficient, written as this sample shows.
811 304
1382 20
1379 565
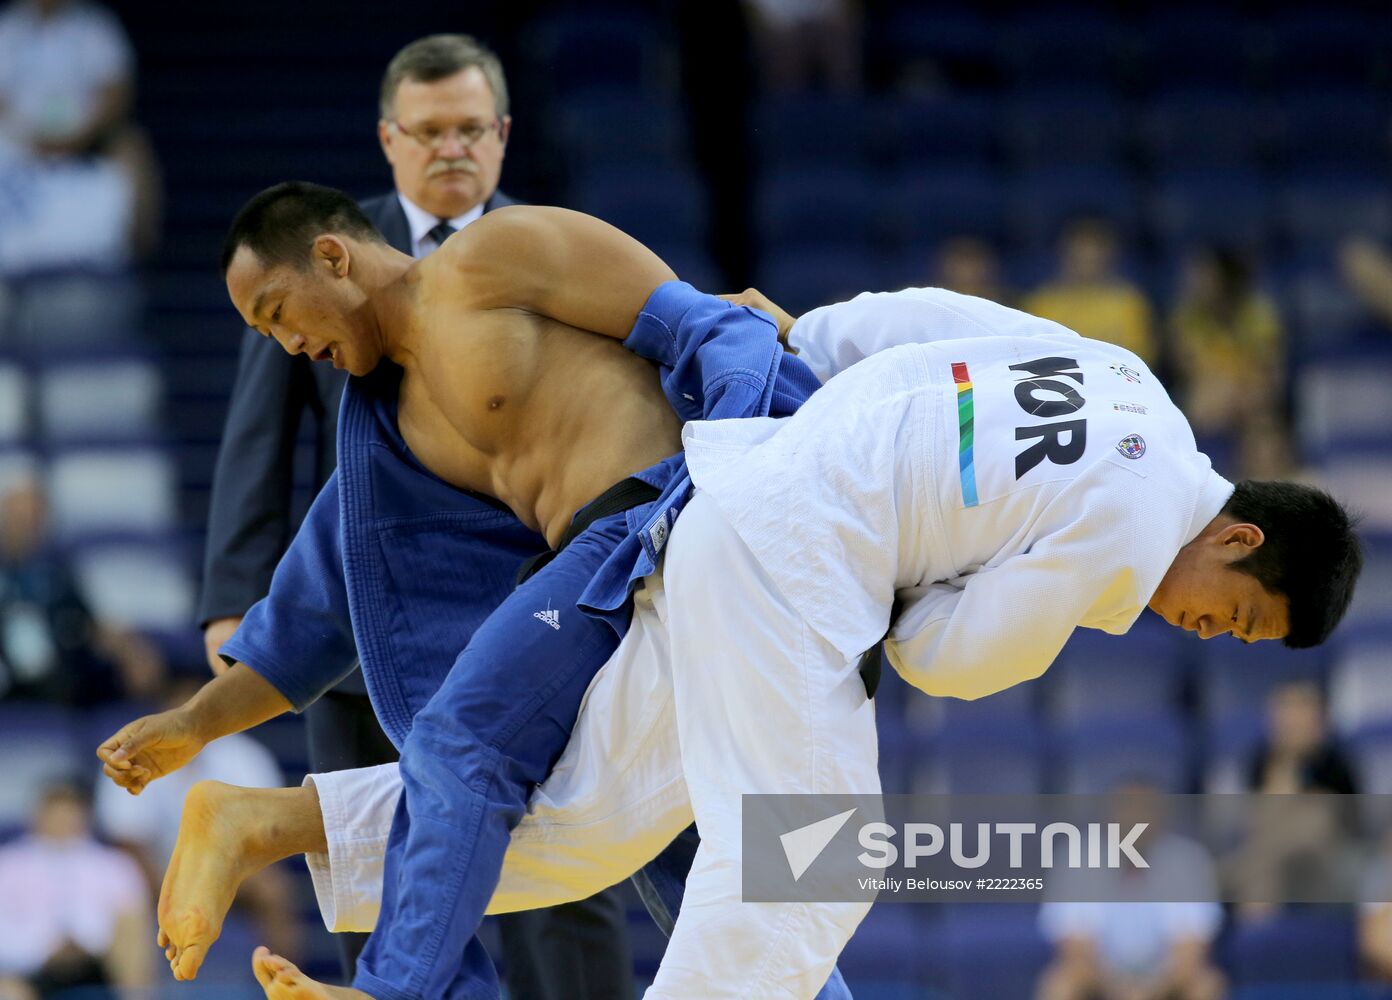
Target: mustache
464 164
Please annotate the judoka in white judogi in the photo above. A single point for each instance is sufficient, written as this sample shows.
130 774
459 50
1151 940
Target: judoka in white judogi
974 483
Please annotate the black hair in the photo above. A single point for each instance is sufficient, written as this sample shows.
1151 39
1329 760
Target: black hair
1311 554
281 222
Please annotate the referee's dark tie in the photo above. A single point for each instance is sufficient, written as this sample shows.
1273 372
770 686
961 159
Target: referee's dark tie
441 232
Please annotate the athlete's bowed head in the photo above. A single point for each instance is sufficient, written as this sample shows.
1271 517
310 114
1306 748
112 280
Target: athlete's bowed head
1279 562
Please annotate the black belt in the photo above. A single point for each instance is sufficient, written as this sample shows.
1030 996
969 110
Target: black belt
870 666
625 495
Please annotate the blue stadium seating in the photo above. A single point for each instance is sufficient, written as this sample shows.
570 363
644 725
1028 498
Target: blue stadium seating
1041 201
810 131
1099 676
1309 945
1341 129
1323 208
959 133
601 130
803 277
1004 757
1218 206
1066 126
816 203
654 205
1194 129
1155 747
927 204
1053 45
1189 45
987 950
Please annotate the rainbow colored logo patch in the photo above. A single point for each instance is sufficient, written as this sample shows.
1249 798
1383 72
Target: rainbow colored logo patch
1132 446
966 462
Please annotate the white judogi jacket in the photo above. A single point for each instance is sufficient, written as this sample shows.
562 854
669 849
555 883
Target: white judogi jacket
999 481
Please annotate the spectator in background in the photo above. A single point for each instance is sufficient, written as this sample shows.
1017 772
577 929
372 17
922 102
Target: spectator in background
806 43
51 645
1367 270
75 912
148 826
443 126
66 89
1229 350
1293 853
1298 754
1375 917
970 265
1090 296
1133 947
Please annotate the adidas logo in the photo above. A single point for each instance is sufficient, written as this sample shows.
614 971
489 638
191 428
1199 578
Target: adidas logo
549 616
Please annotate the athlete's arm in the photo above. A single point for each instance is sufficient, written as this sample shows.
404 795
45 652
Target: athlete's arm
557 263
832 338
156 745
1009 621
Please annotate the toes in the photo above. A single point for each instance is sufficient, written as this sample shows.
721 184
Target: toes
190 959
162 939
261 967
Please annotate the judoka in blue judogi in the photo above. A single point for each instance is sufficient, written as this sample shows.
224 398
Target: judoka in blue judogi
398 569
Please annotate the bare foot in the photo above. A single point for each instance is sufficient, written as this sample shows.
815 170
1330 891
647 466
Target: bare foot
283 981
225 836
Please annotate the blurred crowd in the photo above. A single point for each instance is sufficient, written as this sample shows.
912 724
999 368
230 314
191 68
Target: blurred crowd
116 351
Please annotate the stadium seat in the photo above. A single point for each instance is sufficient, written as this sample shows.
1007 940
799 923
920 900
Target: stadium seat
14 404
616 49
811 130
1363 481
1041 201
106 490
1049 127
800 278
37 745
1322 208
1094 756
886 947
1340 404
137 582
1099 675
1234 678
1297 946
957 130
1201 129
116 399
987 950
1218 206
1228 746
1191 45
651 204
928 204
1340 129
621 129
1062 45
956 43
816 204
1319 43
981 757
1360 683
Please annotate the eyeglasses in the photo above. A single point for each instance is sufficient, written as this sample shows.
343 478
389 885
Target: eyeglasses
434 137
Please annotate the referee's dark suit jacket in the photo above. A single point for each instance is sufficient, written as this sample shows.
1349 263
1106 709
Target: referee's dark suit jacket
579 950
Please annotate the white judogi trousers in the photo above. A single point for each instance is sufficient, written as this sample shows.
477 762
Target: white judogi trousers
719 689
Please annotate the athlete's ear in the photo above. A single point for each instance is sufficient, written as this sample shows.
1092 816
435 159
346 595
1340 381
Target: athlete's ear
332 252
1245 538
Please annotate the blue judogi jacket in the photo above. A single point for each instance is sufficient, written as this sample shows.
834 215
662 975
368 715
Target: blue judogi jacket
395 568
